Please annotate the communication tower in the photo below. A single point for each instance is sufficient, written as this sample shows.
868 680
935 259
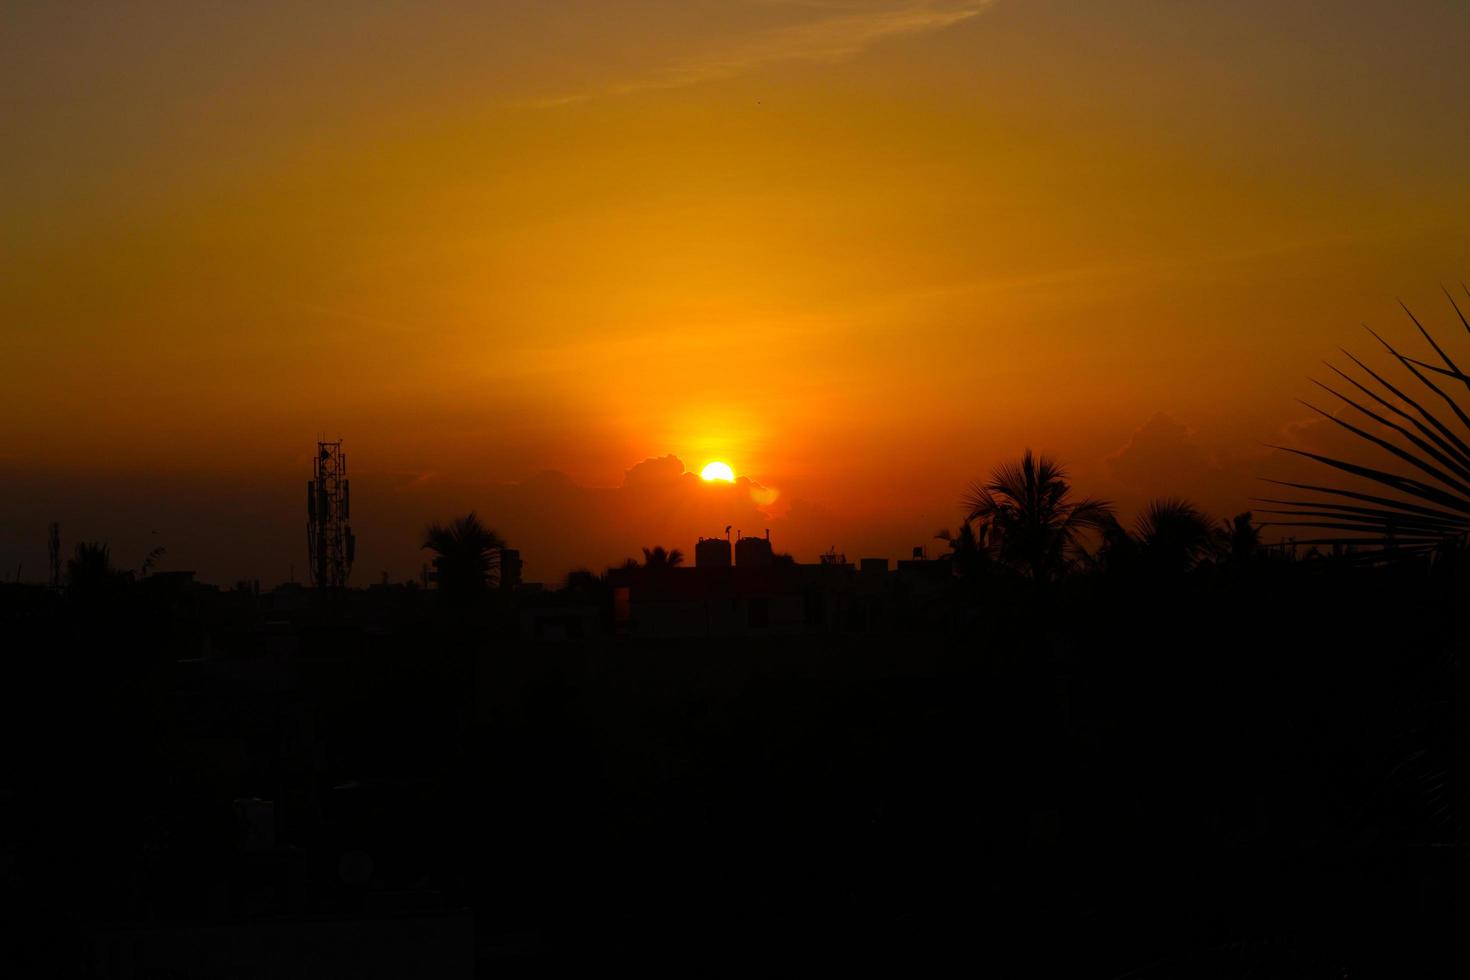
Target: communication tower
53 541
329 538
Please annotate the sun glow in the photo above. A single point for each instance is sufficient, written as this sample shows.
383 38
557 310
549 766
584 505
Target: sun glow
718 471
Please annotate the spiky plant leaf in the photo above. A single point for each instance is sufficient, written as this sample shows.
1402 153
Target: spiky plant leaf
1427 510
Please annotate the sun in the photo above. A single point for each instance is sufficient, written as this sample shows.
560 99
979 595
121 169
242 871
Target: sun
718 471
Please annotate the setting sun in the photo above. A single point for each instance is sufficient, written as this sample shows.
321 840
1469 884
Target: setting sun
718 471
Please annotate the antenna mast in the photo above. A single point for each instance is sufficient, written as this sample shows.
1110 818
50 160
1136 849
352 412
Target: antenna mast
54 544
329 539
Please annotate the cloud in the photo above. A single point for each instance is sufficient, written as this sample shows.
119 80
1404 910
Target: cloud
1164 457
661 471
1161 451
828 39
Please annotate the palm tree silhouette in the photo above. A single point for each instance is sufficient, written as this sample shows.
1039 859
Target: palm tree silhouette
1237 539
89 571
467 555
1026 512
658 557
1172 535
151 561
1424 515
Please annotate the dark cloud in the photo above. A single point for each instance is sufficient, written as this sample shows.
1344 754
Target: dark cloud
1165 457
662 471
1162 450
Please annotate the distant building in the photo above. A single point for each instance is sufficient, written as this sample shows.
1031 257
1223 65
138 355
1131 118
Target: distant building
761 596
712 553
834 558
924 568
510 568
753 552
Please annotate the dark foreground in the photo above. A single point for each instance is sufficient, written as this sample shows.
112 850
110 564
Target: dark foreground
1222 776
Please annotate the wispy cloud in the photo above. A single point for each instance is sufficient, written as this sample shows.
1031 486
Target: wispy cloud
835 37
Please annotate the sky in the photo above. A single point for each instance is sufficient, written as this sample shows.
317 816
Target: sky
516 256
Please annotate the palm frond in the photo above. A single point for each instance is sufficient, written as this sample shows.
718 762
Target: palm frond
1433 451
1409 363
1413 513
1427 415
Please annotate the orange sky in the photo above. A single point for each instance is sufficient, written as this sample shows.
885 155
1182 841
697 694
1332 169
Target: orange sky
863 251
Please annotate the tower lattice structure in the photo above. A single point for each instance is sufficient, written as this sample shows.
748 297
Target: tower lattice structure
329 540
53 547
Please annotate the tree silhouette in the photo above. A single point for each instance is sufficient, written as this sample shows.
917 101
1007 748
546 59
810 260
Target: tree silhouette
151 561
89 571
658 557
1237 539
584 582
467 556
1172 535
1027 514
